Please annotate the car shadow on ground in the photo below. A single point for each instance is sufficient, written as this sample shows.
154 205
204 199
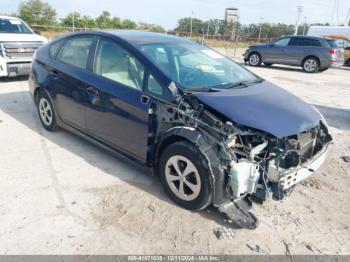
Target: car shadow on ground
87 151
335 117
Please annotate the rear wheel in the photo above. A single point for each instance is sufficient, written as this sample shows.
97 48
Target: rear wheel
254 59
46 112
311 65
185 175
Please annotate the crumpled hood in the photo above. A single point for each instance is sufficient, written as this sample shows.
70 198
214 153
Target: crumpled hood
264 106
21 37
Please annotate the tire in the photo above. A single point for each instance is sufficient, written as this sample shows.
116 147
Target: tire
46 112
254 59
311 65
176 159
268 64
348 63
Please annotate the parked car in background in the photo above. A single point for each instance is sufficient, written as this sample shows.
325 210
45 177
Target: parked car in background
313 54
343 42
209 127
18 42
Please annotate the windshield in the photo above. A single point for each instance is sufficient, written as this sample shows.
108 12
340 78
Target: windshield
13 26
194 66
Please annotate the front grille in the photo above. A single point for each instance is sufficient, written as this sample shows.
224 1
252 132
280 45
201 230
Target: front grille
19 49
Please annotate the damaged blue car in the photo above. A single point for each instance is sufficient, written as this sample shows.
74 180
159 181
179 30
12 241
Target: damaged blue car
214 133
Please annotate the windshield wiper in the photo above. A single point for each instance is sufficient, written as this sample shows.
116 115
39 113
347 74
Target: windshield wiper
202 89
244 83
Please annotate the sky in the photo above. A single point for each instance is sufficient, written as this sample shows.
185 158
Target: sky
167 12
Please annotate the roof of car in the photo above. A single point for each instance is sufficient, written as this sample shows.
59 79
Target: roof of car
306 36
141 37
8 17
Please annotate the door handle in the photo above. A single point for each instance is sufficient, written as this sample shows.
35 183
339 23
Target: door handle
94 95
144 99
54 73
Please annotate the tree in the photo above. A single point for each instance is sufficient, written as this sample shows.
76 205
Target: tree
184 25
37 12
103 21
79 21
129 24
151 27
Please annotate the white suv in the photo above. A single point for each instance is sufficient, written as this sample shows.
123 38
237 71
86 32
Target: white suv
18 43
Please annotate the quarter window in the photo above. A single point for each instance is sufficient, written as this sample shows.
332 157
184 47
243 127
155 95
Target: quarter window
153 86
115 63
75 51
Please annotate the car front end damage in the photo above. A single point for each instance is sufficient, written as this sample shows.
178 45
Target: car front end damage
246 164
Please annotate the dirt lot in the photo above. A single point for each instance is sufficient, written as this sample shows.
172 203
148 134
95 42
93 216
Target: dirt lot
62 195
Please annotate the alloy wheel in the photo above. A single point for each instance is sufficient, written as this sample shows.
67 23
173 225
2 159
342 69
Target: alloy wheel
310 65
254 59
45 111
183 178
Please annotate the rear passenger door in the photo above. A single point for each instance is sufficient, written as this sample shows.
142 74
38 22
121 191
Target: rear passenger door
300 47
67 76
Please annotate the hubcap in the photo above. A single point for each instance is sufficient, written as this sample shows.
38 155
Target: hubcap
310 65
182 177
254 59
45 111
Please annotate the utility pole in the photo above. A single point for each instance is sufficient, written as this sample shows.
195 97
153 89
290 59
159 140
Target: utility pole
300 10
73 18
261 24
208 29
191 25
305 23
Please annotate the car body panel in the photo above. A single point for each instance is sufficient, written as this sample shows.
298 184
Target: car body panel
265 107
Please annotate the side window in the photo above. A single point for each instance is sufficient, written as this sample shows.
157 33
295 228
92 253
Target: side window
75 51
299 41
54 48
153 86
282 42
114 62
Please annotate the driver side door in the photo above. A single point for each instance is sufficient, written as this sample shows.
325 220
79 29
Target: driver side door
278 51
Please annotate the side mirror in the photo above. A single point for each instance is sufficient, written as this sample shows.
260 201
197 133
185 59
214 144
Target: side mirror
37 31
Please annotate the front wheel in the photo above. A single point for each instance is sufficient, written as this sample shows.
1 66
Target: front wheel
311 65
254 59
185 175
46 112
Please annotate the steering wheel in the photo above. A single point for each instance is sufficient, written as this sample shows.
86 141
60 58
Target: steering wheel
186 79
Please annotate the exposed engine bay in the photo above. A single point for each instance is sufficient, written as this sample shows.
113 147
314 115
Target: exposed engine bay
247 164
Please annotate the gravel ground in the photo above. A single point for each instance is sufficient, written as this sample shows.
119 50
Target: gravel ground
61 195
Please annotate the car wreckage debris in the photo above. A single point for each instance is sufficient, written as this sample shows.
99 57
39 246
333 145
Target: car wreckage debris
244 162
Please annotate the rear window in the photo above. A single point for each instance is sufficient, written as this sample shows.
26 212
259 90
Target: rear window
332 43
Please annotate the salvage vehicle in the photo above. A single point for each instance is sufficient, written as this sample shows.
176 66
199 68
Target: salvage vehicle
215 133
313 54
18 42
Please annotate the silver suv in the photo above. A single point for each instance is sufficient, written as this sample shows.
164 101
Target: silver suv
313 54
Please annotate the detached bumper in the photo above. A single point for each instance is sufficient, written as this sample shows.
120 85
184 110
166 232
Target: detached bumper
302 172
